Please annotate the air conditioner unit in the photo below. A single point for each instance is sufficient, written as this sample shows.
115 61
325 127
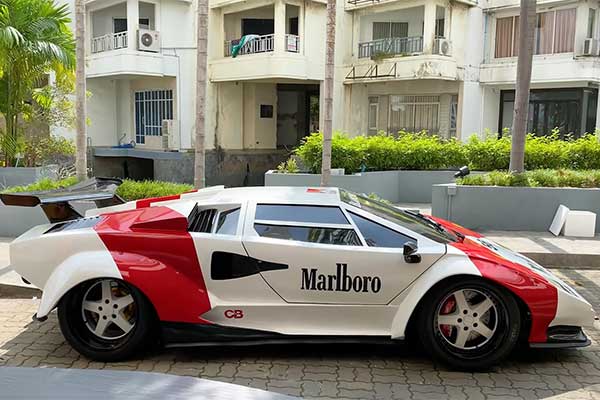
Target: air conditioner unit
148 40
442 47
590 47
170 135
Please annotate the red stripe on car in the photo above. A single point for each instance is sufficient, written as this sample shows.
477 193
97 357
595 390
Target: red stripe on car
143 203
154 252
539 295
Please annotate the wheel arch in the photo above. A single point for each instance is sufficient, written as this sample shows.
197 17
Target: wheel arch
74 270
525 313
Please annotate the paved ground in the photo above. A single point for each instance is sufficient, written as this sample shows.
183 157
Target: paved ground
365 372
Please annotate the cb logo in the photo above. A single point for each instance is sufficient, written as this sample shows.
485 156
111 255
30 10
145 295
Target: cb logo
235 314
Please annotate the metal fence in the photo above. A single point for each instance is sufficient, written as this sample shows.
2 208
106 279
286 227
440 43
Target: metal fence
391 46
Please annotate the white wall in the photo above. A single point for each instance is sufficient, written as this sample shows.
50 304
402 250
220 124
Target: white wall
233 22
413 16
102 20
102 111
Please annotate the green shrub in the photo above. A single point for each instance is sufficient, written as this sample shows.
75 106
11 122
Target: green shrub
489 153
48 150
536 178
383 152
129 189
289 167
420 151
43 185
584 153
134 190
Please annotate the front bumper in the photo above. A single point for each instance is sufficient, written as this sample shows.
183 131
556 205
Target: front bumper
562 337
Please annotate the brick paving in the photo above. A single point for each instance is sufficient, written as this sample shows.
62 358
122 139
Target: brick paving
323 372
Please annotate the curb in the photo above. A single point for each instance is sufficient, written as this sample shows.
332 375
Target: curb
19 292
565 260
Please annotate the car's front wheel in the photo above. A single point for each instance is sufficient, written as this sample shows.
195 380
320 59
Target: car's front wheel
469 324
106 319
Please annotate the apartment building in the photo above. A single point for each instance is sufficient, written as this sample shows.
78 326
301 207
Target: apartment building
447 67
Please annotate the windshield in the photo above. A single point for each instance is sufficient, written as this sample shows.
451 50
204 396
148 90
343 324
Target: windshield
413 221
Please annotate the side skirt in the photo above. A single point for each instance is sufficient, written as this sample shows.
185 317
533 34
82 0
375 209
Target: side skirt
176 334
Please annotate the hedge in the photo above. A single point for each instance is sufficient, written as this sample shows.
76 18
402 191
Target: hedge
536 178
128 190
419 151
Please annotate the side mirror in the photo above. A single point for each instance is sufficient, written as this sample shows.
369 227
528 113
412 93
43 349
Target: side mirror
410 253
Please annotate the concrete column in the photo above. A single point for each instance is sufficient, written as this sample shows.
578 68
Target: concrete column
133 21
301 30
470 99
280 21
429 26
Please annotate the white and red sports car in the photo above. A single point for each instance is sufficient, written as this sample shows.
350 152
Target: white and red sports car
269 264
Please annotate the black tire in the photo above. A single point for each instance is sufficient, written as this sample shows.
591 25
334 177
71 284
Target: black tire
74 324
490 351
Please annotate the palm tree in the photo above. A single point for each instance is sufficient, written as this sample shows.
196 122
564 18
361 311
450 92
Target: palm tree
80 92
328 93
199 151
527 24
34 40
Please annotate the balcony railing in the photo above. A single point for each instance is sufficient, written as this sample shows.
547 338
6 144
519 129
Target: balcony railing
263 44
391 46
111 41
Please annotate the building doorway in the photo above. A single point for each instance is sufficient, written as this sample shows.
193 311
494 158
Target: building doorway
297 113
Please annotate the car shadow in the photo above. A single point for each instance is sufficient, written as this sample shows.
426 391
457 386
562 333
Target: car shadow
41 345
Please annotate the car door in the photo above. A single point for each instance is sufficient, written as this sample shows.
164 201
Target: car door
327 257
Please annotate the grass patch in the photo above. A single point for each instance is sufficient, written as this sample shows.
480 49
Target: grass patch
536 178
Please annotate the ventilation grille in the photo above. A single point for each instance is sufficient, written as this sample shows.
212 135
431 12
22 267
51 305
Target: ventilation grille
201 220
75 224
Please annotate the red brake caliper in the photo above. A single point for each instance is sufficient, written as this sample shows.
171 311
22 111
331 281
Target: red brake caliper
447 308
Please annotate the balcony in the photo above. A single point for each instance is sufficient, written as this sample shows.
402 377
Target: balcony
108 42
262 44
391 47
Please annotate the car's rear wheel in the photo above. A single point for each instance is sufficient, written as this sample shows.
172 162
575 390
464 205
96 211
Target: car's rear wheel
106 319
469 324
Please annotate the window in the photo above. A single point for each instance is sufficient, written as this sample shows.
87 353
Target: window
554 33
120 24
266 111
386 30
378 235
591 23
151 108
549 109
337 236
201 220
299 213
228 222
373 115
414 113
414 222
439 28
453 116
258 26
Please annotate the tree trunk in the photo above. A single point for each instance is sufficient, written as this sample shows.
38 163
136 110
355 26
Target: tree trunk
199 159
80 92
527 24
328 94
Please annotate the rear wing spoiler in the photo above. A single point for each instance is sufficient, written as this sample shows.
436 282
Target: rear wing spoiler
56 204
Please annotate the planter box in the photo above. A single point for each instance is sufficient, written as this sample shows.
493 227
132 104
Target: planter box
14 221
509 208
10 176
395 186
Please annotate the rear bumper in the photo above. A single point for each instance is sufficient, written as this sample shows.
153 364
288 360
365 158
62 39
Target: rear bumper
562 337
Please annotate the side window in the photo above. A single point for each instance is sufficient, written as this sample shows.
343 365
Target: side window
201 220
338 236
228 221
378 235
300 213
